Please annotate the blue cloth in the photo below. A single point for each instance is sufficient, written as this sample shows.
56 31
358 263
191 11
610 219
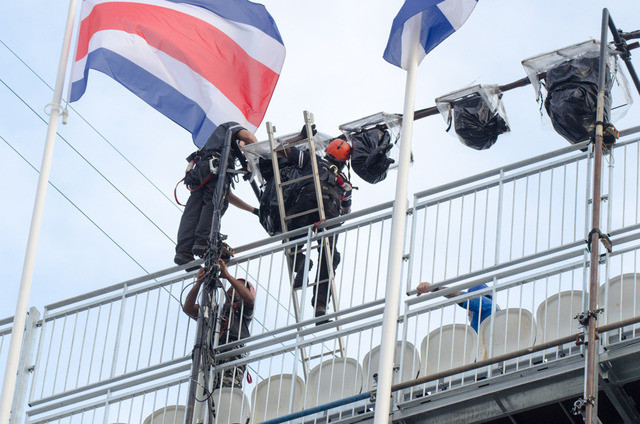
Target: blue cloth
480 309
435 20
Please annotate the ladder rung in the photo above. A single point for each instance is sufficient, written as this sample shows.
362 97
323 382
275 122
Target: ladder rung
295 180
309 284
310 211
287 144
312 283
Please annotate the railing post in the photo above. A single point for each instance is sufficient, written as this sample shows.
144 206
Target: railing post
24 367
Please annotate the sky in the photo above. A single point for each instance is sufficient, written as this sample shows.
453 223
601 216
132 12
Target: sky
106 222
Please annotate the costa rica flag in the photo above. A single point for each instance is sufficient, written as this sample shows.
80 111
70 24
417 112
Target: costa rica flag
199 62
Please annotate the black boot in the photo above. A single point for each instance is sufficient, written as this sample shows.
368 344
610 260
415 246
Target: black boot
321 310
297 281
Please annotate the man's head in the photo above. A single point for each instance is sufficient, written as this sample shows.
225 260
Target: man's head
231 296
339 150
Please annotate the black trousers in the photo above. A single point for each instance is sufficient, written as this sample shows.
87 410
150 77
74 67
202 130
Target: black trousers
307 201
195 224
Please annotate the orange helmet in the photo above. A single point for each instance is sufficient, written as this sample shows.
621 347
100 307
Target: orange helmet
339 149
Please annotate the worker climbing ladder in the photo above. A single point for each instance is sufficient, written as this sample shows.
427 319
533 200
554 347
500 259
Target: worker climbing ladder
326 246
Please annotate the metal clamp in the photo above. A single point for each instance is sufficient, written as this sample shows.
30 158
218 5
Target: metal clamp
213 165
604 238
581 404
583 317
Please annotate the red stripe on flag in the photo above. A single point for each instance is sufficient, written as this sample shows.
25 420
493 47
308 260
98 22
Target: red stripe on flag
246 82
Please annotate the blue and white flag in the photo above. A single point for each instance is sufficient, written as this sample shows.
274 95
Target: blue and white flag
435 20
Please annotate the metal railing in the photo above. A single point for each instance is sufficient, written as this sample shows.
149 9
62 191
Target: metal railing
122 354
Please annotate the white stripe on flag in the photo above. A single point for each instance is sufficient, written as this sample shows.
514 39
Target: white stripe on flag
410 29
457 11
134 48
266 50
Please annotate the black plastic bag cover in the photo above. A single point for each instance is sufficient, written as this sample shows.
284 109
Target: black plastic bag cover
365 161
572 96
476 126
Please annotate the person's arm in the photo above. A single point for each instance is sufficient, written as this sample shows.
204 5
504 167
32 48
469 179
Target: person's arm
240 289
426 288
190 306
245 137
241 204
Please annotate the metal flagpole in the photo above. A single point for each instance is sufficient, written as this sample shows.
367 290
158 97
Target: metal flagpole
591 360
34 231
398 219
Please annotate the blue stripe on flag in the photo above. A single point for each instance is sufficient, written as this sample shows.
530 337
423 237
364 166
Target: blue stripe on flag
242 11
434 27
158 94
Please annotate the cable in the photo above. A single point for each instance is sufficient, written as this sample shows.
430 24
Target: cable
95 129
90 164
76 206
85 215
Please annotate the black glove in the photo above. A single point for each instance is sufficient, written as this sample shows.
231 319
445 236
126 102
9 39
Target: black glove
256 212
303 132
193 156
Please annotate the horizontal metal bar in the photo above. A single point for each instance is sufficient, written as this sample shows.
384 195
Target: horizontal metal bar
118 296
497 171
515 354
109 381
463 297
311 330
330 222
499 179
629 131
297 326
319 408
181 370
555 253
112 288
448 373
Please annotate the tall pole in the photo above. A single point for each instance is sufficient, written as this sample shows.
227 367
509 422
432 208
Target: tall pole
398 219
34 232
199 382
591 370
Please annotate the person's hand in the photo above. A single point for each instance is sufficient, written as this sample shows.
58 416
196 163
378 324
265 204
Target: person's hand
200 277
423 288
223 269
303 132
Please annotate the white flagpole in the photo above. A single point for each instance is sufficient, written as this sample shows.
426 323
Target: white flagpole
19 318
398 219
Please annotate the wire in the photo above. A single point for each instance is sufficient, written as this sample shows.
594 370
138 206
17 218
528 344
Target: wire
90 164
93 128
85 215
76 206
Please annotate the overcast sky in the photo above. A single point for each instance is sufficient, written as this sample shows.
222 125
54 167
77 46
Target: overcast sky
334 68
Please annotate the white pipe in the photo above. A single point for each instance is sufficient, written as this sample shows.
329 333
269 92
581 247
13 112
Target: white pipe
34 232
398 219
